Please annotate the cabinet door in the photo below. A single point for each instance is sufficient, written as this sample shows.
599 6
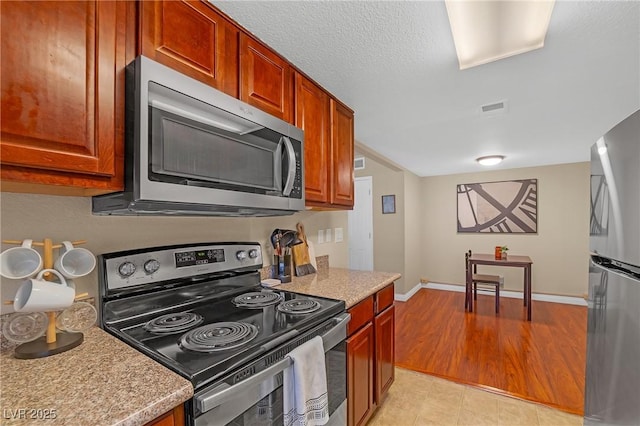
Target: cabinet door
174 417
360 376
190 37
63 92
385 351
265 79
342 155
312 116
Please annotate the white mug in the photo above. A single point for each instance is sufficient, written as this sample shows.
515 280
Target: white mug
21 262
74 262
38 295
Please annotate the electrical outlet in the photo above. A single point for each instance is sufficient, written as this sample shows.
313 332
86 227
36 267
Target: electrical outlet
320 236
327 235
338 236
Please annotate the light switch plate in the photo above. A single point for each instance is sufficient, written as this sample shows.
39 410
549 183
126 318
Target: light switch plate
327 235
338 237
320 236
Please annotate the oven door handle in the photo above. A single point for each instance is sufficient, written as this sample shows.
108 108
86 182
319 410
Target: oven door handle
225 392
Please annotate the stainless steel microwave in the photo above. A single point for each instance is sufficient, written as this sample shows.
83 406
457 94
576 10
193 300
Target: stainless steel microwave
193 150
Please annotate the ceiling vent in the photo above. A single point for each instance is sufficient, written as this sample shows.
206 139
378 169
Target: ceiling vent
494 108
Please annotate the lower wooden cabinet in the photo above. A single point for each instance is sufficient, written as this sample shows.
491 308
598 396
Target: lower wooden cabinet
370 355
384 328
174 417
360 375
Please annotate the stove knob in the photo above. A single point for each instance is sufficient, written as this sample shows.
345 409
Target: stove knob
151 266
126 269
253 253
241 255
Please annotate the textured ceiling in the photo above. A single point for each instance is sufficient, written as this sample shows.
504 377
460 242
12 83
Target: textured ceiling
394 64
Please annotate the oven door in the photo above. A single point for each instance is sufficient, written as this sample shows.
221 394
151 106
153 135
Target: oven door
258 399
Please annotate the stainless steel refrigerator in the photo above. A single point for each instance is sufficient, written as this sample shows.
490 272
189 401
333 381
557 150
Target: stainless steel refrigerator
612 392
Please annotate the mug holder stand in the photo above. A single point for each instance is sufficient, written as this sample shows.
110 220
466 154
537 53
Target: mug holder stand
51 343
39 348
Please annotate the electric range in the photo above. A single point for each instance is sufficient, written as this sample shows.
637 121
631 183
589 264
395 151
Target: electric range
199 310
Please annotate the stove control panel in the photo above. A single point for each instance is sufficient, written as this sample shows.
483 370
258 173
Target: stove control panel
151 266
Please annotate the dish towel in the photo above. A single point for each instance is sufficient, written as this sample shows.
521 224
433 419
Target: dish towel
305 386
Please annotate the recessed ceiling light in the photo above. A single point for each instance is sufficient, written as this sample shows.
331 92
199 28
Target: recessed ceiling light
485 31
490 160
602 150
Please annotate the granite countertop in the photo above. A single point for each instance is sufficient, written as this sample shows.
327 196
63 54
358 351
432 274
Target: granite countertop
101 382
342 284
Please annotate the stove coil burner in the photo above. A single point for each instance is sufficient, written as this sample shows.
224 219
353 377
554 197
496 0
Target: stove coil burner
218 336
257 299
299 306
173 323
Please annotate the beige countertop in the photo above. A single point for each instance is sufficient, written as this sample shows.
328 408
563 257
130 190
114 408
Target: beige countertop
101 382
343 284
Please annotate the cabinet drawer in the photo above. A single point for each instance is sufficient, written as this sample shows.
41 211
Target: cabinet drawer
384 298
361 314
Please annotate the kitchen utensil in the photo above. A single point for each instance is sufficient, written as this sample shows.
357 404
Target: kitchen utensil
24 327
301 254
285 237
78 317
74 262
20 262
37 295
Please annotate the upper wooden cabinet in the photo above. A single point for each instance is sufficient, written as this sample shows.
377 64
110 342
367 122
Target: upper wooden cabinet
313 116
63 91
63 95
341 154
191 37
265 79
328 146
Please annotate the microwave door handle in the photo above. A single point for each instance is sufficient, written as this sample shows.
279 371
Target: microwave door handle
291 171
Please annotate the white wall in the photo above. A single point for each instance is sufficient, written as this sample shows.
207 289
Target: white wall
69 218
559 250
413 231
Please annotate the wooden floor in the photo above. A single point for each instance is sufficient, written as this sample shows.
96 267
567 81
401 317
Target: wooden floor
541 361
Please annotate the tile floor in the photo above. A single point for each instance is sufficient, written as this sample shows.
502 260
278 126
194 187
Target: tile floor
419 399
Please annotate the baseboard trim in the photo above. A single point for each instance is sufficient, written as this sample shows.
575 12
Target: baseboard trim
400 297
554 298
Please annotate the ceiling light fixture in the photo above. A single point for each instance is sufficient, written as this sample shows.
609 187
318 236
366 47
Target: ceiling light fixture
490 160
485 31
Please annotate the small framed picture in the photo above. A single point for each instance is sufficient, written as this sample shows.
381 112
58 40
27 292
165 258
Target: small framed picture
388 204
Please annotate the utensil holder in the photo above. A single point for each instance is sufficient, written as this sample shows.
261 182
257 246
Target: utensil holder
282 268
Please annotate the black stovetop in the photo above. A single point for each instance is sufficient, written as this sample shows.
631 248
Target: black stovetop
274 327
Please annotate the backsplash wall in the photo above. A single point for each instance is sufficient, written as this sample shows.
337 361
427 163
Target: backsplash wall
69 218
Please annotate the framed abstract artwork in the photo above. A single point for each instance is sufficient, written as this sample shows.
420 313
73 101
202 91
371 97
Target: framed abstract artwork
506 207
388 204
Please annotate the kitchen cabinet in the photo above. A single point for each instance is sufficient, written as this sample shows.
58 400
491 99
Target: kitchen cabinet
174 417
62 88
265 79
313 115
360 376
342 141
370 355
328 146
193 38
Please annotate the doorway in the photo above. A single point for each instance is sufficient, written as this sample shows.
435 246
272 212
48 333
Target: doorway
360 223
